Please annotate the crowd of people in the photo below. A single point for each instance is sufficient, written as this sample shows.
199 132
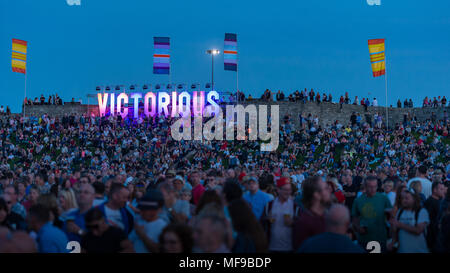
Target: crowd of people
52 100
439 102
4 111
313 96
120 185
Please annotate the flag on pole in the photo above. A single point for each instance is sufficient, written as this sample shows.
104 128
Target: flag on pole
161 55
19 56
230 52
377 57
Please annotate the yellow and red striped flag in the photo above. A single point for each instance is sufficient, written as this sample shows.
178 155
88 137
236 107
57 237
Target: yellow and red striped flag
377 57
19 56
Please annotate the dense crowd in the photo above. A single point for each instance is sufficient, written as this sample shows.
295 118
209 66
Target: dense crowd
119 185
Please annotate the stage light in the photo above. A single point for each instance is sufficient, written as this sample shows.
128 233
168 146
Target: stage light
208 85
145 87
169 86
157 86
132 87
98 88
180 86
193 86
117 88
108 88
213 51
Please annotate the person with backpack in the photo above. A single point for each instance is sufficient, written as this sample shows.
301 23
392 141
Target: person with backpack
409 226
279 217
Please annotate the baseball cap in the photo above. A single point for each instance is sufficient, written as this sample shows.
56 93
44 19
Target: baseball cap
248 179
171 172
241 176
178 177
282 181
152 200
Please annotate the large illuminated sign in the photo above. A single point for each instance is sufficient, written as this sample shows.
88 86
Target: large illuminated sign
186 106
162 103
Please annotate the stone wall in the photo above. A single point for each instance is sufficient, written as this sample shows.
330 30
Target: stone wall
60 110
327 112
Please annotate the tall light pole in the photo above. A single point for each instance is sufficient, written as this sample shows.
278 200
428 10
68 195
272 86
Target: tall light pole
212 52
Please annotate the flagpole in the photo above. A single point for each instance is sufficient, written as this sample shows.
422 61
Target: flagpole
24 103
237 74
386 84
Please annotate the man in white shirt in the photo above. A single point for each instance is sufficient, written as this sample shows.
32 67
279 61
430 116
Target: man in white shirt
148 227
281 213
375 102
422 177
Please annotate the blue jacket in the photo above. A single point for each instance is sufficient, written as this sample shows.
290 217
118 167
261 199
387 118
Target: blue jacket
51 239
127 218
78 218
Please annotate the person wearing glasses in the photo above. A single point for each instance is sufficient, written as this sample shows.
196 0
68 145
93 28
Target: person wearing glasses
12 221
74 224
101 237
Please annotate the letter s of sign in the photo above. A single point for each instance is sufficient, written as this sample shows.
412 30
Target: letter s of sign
373 247
74 246
374 2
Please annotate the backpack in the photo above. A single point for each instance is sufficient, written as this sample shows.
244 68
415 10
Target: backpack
428 239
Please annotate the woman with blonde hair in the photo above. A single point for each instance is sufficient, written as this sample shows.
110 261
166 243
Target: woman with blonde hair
67 202
416 187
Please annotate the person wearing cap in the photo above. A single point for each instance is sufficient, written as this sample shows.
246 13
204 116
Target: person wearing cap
255 197
171 174
278 218
148 226
102 237
178 183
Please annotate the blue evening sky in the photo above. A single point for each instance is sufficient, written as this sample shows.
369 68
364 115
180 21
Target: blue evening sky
285 45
